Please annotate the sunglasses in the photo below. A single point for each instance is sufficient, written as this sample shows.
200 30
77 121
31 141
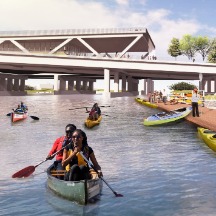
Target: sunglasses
69 132
74 137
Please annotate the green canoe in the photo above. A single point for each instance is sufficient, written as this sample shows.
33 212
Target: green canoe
78 191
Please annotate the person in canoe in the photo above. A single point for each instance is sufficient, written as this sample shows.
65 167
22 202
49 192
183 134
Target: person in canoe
59 143
76 167
23 107
95 112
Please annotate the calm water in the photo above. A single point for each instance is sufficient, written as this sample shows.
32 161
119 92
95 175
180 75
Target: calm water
164 170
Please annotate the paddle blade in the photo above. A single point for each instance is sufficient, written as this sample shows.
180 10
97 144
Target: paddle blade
34 117
118 195
24 172
9 114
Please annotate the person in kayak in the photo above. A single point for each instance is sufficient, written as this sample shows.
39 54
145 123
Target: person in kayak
23 107
95 112
75 165
59 143
18 109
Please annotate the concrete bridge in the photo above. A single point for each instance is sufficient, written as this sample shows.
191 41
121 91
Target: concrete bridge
77 58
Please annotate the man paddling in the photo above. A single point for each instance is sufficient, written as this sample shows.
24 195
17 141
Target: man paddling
59 143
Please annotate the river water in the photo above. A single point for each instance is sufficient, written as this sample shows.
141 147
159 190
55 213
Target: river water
160 171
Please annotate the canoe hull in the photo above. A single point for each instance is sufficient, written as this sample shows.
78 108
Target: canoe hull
18 116
81 192
90 124
146 103
207 137
167 117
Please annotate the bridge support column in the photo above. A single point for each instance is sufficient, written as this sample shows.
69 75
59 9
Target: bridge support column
91 85
124 81
70 85
107 83
56 82
16 84
209 85
22 85
116 82
9 84
144 92
85 87
3 83
78 84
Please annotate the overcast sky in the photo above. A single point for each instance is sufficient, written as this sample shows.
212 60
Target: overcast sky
164 19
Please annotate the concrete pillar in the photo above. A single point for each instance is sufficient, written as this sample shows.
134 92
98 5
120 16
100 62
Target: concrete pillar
3 84
16 85
209 86
78 84
124 80
116 82
215 85
152 86
149 86
91 85
144 87
9 84
62 85
56 82
22 85
135 85
85 85
106 81
71 85
130 83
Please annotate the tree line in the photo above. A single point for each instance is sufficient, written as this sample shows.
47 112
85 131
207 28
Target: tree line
190 46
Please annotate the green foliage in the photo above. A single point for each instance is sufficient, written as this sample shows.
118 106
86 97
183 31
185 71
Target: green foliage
212 53
182 86
188 46
174 48
203 46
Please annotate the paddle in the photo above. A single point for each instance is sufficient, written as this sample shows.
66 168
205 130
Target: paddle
91 165
33 117
27 171
86 107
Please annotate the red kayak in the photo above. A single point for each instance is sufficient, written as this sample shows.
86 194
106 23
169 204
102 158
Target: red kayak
17 116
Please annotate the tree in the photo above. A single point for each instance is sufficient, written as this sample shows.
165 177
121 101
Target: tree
182 86
188 46
203 46
212 52
174 48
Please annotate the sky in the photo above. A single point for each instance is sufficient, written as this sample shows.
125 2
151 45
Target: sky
164 19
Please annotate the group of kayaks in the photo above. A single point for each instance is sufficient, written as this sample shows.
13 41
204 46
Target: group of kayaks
208 136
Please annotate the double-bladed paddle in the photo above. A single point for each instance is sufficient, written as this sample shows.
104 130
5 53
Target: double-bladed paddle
27 171
86 107
91 165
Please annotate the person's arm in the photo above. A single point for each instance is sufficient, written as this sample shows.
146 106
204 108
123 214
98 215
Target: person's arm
95 164
67 159
53 150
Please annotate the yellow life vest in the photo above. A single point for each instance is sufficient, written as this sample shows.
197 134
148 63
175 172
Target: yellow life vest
81 161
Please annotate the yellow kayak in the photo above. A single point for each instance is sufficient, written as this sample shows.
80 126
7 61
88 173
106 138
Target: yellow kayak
90 123
146 103
208 136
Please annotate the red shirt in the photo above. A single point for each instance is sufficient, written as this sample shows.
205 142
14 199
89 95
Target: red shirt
57 146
